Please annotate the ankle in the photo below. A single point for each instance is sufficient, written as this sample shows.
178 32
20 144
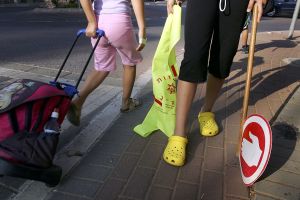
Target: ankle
245 46
180 134
125 101
203 110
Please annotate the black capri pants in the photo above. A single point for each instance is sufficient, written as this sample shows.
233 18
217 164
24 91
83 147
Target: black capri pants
211 38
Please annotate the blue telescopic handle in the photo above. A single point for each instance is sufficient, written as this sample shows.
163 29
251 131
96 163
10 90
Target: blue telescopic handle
99 32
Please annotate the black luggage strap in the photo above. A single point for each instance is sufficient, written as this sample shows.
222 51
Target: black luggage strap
40 117
13 120
28 116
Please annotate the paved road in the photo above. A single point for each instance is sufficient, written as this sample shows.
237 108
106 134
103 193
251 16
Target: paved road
39 38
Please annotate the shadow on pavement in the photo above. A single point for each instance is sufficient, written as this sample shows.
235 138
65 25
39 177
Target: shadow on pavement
284 138
277 44
263 85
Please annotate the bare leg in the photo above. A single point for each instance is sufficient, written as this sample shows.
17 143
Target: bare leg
213 88
94 79
185 95
244 39
128 82
174 152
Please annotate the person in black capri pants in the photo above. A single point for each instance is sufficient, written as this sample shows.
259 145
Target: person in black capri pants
212 33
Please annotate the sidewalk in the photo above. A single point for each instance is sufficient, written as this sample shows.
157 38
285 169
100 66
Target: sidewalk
122 165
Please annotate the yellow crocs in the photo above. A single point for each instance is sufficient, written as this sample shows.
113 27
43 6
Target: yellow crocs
174 153
208 125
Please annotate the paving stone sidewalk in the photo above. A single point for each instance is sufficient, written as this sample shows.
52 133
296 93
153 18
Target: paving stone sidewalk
122 165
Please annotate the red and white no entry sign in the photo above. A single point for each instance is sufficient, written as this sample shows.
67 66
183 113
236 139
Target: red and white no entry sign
255 148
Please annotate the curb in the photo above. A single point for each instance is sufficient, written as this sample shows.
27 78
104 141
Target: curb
58 10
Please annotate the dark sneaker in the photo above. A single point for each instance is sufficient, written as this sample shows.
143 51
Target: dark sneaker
245 49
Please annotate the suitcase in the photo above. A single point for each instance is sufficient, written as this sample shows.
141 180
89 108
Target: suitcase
25 106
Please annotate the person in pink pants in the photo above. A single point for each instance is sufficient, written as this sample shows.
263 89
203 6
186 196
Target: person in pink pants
114 18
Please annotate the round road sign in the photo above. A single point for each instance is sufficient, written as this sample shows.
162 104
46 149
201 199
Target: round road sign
255 148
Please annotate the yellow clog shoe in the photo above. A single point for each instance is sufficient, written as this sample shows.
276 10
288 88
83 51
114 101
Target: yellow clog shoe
208 125
174 153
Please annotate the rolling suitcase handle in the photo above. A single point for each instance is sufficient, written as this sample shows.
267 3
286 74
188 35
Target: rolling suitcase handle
70 89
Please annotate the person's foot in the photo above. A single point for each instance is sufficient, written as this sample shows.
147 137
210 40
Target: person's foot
245 49
207 123
130 105
174 153
73 115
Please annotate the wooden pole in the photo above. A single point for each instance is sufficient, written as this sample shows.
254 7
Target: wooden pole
249 75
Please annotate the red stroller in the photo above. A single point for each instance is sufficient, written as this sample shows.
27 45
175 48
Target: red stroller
25 106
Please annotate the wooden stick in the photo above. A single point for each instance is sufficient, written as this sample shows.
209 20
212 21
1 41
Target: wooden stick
249 76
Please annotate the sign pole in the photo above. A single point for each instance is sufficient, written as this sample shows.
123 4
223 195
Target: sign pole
249 75
295 16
